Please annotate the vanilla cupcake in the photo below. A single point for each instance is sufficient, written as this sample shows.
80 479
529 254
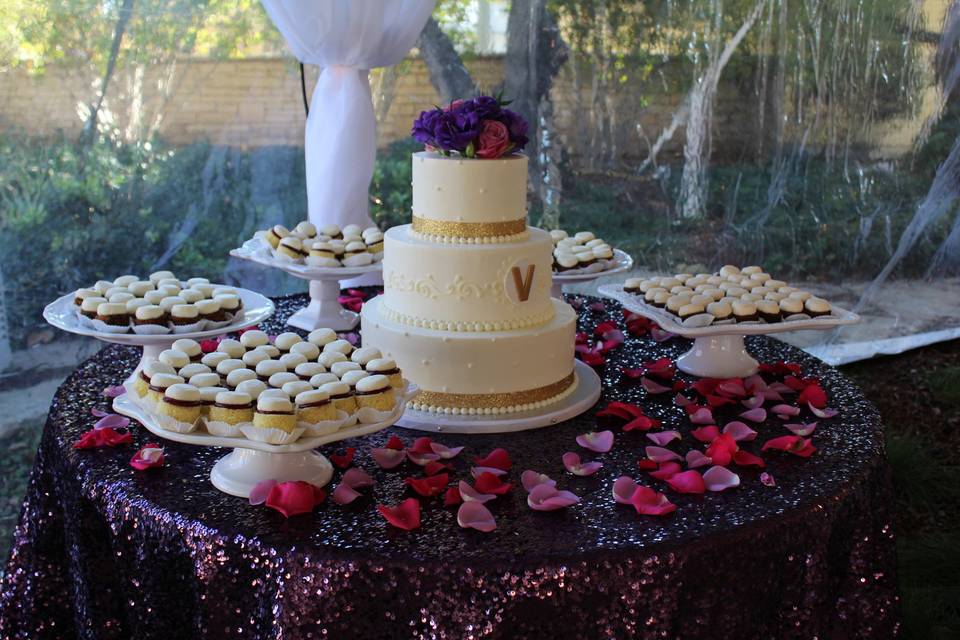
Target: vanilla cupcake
208 396
660 298
355 254
254 338
229 302
292 360
340 368
169 290
225 367
633 285
158 385
320 379
292 248
175 358
676 301
277 380
192 296
270 350
267 368
210 311
82 294
651 293
102 286
315 406
214 358
802 296
690 309
342 396
255 357
720 310
252 388
340 346
330 230
141 382
203 287
322 250
271 392
749 271
113 314
232 407
386 367
273 412
768 310
306 229
307 370
286 340
237 376
329 358
190 347
275 234
121 296
375 392
353 377
157 276
817 307
132 305
154 297
295 387
89 306
308 350
374 242
124 281
204 380
363 355
231 347
729 270
169 302
193 369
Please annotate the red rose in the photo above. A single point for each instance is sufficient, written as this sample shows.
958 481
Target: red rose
493 141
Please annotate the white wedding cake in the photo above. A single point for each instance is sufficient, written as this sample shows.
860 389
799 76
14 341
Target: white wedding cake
466 310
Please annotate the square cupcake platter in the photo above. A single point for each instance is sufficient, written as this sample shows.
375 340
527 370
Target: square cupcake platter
718 350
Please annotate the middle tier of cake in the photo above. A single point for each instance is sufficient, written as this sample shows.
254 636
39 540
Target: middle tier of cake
479 372
482 287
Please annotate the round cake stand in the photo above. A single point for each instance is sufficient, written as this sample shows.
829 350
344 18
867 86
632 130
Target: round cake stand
718 350
622 261
583 397
61 313
324 309
252 462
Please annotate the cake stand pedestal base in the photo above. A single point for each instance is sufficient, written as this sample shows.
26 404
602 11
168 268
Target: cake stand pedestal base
722 356
324 309
239 471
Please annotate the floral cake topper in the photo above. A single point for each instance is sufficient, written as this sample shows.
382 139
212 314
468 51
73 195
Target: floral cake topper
480 127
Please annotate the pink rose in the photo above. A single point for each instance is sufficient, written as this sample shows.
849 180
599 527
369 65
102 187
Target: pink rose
493 141
454 105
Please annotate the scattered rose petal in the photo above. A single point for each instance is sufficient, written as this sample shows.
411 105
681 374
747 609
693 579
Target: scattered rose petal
663 438
666 470
114 391
112 421
659 454
622 410
722 448
823 414
592 359
718 401
598 307
654 387
498 458
444 451
388 458
596 441
682 401
641 423
662 368
395 443
660 335
489 483
813 394
696 459
95 438
802 429
732 387
473 515
260 491
796 445
344 494
294 497
687 482
529 479
784 411
706 434
476 471
746 459
99 413
720 478
421 445
771 395
572 463
421 459
357 478
701 415
754 401
210 345
149 457
405 515
468 493
755 415
739 431
623 488
767 479
452 497
648 502
433 467
646 464
543 497
633 374
429 486
343 460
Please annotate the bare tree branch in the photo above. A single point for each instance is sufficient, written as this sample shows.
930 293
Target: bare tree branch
448 75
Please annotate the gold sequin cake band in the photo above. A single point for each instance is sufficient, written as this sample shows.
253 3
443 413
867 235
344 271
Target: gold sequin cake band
492 400
468 229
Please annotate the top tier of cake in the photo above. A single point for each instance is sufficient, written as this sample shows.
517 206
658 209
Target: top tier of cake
465 200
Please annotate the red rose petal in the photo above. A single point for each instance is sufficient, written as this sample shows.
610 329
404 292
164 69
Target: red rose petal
422 445
452 497
687 482
666 471
743 458
498 458
405 515
430 486
648 502
395 443
706 434
294 497
721 450
343 460
489 483
622 410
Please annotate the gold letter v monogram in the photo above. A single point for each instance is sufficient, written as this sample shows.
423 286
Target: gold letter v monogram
523 287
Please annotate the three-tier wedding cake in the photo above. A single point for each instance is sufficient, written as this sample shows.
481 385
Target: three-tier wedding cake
466 310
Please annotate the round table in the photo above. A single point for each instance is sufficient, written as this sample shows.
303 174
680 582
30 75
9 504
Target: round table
103 551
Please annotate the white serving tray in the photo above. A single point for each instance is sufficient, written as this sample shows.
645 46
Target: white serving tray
622 261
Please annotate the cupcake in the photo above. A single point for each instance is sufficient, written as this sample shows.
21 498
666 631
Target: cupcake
332 231
307 370
141 382
193 369
174 358
291 360
281 378
232 407
374 242
158 385
214 358
363 355
353 377
231 347
267 368
89 306
744 311
205 288
229 302
217 291
228 365
322 337
154 297
255 357
275 234
169 302
125 281
113 314
817 307
632 285
82 294
802 296
386 367
603 252
132 305
121 296
103 286
315 406
192 296
651 293
210 311
271 392
292 248
661 297
295 387
308 350
204 380
189 347
676 301
768 310
208 396
341 396
252 388
322 250
585 259
565 262
690 309
749 271
582 237
270 350
352 231
375 392
320 379
776 296
330 358
340 346
305 229
286 340
699 298
169 290
254 338
237 376
790 306
157 276
774 285
729 270
557 235
720 310
275 413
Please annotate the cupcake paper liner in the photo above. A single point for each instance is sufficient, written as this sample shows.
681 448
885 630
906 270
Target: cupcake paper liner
271 436
188 328
172 424
216 324
698 320
225 429
359 260
369 415
150 329
283 258
322 263
103 327
326 427
797 316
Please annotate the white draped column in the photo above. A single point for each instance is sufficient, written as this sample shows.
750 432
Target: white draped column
346 38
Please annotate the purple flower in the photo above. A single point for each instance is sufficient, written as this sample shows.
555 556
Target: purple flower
424 125
517 126
459 125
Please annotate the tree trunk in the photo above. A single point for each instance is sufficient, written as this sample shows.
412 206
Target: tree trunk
448 75
123 18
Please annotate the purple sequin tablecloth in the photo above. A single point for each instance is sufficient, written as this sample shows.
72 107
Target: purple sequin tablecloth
103 551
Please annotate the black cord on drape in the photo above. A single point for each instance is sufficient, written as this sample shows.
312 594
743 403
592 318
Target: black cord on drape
303 90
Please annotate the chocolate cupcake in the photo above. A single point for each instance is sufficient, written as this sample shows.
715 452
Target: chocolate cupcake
675 302
274 412
82 294
817 307
661 297
189 347
210 310
769 311
744 311
720 310
690 309
229 302
89 306
113 314
632 285
182 315
386 367
651 293
790 306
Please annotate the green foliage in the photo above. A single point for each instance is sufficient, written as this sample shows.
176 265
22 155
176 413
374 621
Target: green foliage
390 197
945 385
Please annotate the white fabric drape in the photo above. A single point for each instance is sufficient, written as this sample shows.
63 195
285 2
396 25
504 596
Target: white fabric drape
346 38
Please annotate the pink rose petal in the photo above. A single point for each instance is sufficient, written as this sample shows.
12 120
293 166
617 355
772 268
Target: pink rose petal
703 415
547 498
112 421
822 413
739 431
659 454
388 458
755 415
469 494
772 396
696 459
782 410
421 459
767 479
476 471
753 402
660 335
597 306
663 438
529 479
802 429
687 482
720 478
260 491
344 494
444 451
754 383
99 413
114 391
623 488
681 400
571 461
473 515
779 387
598 442
654 387
732 387
356 478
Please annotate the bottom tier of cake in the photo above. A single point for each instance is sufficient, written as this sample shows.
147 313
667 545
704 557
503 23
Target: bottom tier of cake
479 372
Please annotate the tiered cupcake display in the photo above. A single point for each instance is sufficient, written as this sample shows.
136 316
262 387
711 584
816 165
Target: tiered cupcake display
719 309
583 257
324 256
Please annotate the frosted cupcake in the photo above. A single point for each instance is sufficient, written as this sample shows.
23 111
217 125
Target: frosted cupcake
237 376
231 347
267 368
181 405
286 340
189 347
275 234
142 381
292 360
330 358
308 350
229 302
277 380
342 396
305 229
184 317
113 314
255 357
307 370
254 338
228 365
292 248
175 358
214 358
157 276
817 307
321 379
204 380
208 395
210 311
322 337
340 368
193 369
387 367
252 388
232 407
339 346
364 355
82 294
314 406
296 387
89 306
275 413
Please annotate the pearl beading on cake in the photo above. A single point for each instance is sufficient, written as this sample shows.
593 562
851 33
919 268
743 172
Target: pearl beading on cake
516 237
467 326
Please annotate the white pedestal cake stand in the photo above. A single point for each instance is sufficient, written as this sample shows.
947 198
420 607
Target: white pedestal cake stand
718 350
622 261
324 309
62 314
251 462
580 400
